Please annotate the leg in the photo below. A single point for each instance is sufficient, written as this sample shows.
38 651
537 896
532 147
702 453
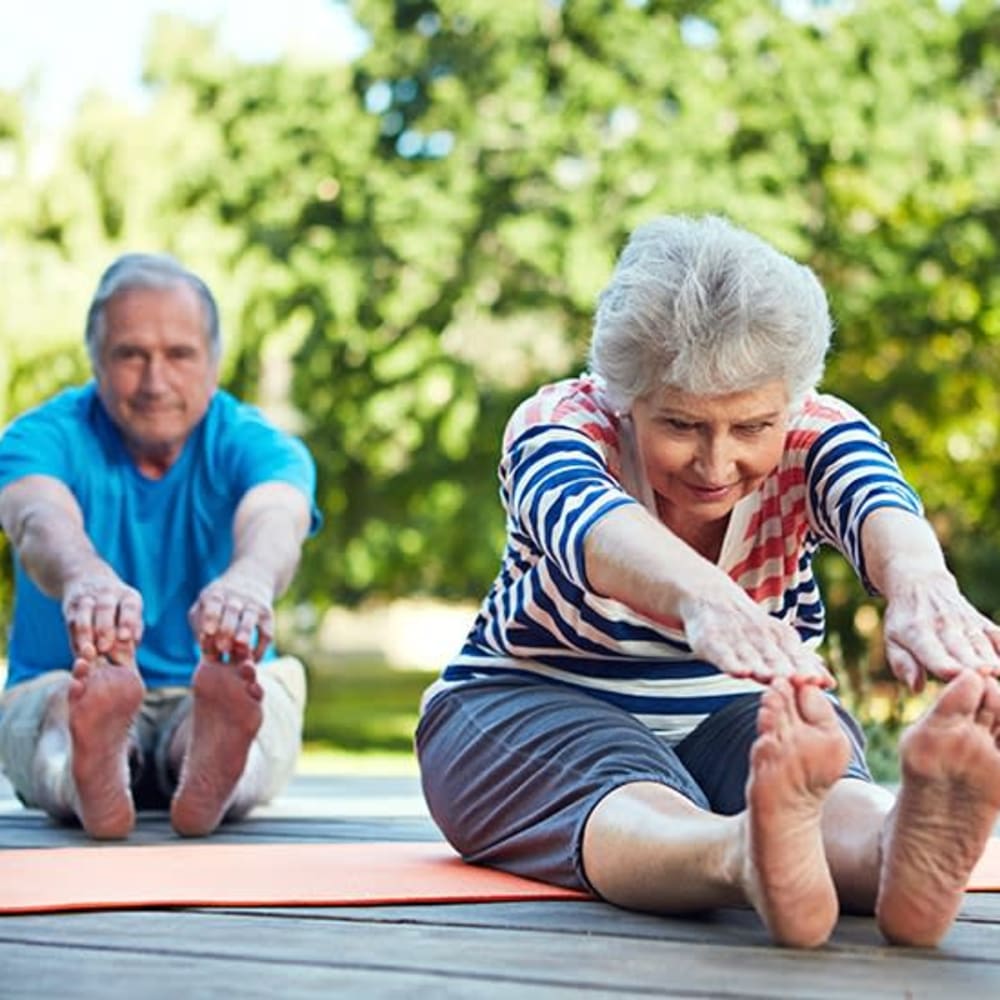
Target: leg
512 767
644 847
853 818
946 810
65 743
34 750
239 744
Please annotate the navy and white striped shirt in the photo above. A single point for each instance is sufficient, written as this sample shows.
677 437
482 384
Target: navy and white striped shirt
568 460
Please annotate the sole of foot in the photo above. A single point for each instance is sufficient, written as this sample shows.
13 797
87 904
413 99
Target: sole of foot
946 810
224 720
800 752
103 699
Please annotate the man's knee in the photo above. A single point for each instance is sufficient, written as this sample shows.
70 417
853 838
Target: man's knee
34 740
275 750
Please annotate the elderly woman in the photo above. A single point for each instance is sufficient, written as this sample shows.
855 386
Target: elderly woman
639 709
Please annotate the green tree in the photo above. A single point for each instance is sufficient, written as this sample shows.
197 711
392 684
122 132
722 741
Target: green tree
423 234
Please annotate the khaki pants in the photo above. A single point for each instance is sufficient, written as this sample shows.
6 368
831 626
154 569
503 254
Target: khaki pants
48 783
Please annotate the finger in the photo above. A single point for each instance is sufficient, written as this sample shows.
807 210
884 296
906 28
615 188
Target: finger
265 634
207 644
992 632
80 620
782 650
130 625
244 630
814 671
966 643
82 641
926 647
228 621
737 662
105 608
209 610
906 669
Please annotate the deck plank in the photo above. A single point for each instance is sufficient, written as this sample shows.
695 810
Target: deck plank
530 958
532 949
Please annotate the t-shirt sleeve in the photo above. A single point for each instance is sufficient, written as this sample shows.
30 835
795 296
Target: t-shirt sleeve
34 444
257 452
555 486
850 472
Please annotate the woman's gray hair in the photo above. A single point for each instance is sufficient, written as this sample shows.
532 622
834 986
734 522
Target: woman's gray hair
706 307
147 270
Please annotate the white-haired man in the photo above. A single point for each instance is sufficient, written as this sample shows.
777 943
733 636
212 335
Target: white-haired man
154 519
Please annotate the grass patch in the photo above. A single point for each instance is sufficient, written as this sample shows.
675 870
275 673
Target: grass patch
321 759
363 707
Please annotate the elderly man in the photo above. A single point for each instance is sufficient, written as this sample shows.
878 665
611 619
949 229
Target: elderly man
154 520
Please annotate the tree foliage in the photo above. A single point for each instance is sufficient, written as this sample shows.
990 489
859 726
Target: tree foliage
423 233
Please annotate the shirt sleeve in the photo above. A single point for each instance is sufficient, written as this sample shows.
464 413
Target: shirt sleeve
34 445
555 486
850 472
258 452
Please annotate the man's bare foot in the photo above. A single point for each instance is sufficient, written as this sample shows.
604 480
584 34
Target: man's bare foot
946 810
224 721
102 701
800 752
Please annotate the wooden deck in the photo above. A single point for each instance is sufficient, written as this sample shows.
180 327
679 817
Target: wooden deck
539 949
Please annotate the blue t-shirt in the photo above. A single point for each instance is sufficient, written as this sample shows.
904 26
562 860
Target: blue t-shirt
166 537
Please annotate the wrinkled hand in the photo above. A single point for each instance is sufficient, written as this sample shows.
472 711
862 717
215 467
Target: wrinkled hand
101 613
229 612
931 629
734 634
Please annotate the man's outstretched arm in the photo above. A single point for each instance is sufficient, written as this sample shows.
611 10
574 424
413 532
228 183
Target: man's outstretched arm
270 525
44 523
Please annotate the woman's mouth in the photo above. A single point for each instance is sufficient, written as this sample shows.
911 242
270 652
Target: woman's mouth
709 493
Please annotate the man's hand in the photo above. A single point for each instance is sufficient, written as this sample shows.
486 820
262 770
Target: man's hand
101 613
931 629
230 612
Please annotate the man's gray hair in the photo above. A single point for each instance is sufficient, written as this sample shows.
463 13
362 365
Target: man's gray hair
147 270
706 307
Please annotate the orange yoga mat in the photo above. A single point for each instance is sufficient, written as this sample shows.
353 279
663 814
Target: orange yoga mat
112 877
985 876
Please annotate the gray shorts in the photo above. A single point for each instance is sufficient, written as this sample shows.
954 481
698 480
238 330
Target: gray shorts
512 768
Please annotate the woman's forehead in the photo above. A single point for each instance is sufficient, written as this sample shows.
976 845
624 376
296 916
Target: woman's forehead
770 397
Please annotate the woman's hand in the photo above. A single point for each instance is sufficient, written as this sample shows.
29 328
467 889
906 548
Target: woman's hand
931 629
734 634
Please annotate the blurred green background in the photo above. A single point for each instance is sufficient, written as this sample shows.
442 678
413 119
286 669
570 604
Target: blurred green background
406 243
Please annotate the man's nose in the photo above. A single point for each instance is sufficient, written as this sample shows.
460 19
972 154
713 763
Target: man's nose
154 374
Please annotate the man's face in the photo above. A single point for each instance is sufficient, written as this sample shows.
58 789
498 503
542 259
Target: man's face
155 371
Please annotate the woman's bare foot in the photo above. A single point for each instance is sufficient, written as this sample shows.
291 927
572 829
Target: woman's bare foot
224 721
102 701
800 752
945 812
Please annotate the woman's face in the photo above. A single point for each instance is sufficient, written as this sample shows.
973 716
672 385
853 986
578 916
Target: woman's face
702 454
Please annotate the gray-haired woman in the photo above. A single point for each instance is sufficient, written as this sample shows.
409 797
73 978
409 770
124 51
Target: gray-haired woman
639 708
